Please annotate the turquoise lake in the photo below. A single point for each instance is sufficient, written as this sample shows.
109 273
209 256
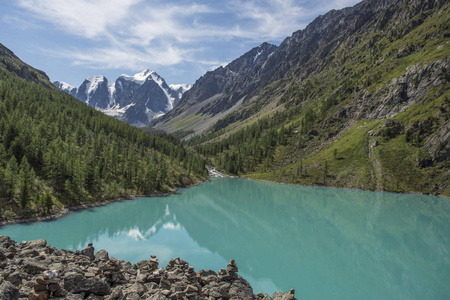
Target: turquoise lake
326 243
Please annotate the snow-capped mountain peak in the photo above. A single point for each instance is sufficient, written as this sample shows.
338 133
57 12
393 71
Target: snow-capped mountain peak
64 86
92 83
134 99
180 88
140 77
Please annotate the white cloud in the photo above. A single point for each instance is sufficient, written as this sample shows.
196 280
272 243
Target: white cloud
81 17
136 34
125 57
272 19
21 23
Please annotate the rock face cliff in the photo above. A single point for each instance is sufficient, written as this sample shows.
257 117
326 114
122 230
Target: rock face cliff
372 78
36 270
9 61
217 92
306 53
133 99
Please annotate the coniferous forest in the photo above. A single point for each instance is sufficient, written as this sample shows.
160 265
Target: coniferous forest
56 151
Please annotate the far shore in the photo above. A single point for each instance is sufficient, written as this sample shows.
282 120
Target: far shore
65 210
213 174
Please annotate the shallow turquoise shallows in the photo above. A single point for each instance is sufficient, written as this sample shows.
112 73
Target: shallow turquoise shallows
325 243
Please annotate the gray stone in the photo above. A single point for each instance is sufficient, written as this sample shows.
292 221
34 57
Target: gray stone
15 278
72 280
102 255
282 296
137 288
2 256
32 267
71 296
240 289
8 291
157 296
94 297
36 244
133 296
53 287
38 295
96 286
76 283
5 241
151 286
89 252
116 294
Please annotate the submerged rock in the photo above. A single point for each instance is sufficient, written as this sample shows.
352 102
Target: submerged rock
40 271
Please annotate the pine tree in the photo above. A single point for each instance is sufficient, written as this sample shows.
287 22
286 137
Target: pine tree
26 181
11 174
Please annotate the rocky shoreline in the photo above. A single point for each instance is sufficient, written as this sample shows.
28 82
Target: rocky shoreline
35 270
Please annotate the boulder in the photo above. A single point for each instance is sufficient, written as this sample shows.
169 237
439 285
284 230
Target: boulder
32 267
137 288
39 295
102 255
284 296
8 291
72 282
77 283
89 252
2 256
157 296
36 244
5 241
15 278
71 296
240 289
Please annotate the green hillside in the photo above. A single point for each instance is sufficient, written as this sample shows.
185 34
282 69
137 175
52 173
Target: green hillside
369 110
55 151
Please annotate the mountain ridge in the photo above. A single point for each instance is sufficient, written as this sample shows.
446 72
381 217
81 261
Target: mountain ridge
207 94
371 80
135 99
57 153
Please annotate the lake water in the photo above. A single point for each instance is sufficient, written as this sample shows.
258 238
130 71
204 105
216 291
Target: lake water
325 243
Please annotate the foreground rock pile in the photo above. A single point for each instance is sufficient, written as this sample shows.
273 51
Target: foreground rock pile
36 270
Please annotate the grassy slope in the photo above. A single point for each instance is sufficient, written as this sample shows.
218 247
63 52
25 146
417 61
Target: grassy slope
364 69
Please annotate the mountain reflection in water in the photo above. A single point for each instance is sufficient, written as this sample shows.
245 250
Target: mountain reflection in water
325 243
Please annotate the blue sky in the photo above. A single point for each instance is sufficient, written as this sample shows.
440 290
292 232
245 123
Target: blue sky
180 40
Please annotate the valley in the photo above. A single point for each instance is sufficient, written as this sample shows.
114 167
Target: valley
319 161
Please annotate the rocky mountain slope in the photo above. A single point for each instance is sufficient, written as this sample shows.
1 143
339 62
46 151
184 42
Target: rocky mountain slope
9 61
216 94
133 99
359 99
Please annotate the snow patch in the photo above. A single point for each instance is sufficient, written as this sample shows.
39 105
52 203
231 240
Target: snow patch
138 78
180 88
92 85
116 110
156 78
111 96
65 86
256 56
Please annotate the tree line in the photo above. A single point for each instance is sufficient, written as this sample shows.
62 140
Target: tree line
57 150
